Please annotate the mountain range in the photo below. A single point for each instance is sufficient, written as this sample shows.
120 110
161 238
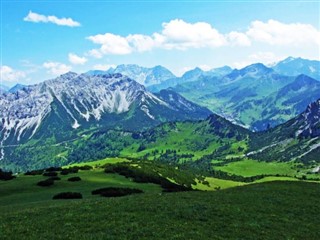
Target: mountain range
143 75
81 117
57 107
190 76
196 144
3 88
294 66
256 96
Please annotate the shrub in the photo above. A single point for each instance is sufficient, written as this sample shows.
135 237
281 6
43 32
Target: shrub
68 195
64 172
172 187
115 192
85 167
50 174
34 172
69 170
141 148
46 183
53 169
74 179
5 176
304 177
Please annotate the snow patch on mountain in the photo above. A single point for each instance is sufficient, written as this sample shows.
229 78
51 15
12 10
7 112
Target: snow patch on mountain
81 96
143 75
75 99
312 69
145 109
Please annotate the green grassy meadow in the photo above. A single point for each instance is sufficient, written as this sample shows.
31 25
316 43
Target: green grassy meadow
274 210
24 190
248 168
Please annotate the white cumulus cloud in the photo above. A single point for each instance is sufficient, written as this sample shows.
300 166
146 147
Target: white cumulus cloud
94 53
35 17
110 44
140 43
238 39
181 35
56 68
11 75
76 60
176 34
276 33
103 67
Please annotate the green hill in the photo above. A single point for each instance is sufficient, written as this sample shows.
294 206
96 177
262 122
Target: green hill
174 142
282 210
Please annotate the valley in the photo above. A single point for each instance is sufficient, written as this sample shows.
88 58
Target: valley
255 97
118 141
159 120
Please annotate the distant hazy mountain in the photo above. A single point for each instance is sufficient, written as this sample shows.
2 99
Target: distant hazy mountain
57 108
190 76
295 66
143 75
255 96
3 88
16 87
288 101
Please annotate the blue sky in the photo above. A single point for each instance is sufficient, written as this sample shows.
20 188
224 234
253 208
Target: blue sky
42 39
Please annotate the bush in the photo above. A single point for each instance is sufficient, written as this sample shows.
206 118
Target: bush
172 187
68 195
74 179
304 177
85 167
64 172
50 174
5 176
53 169
69 170
141 148
34 172
115 192
46 183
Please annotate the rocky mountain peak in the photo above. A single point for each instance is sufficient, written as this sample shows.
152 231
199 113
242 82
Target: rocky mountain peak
310 121
84 100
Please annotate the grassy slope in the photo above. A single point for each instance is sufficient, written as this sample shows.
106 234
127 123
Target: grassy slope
216 183
249 168
277 210
197 138
23 189
99 163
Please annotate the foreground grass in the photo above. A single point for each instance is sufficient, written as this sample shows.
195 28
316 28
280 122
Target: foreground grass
274 210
